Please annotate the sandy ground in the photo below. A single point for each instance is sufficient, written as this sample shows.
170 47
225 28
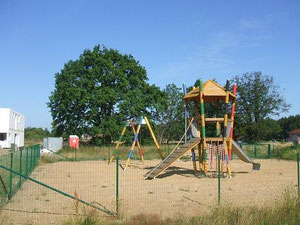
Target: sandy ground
177 191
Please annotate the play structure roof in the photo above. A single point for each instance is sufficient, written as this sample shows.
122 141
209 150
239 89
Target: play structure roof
212 92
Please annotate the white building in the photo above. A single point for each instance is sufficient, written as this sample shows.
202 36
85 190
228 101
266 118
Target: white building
11 128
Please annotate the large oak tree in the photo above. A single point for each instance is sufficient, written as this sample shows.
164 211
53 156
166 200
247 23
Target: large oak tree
98 92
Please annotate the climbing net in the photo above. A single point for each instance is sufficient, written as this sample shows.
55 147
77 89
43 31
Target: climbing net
213 150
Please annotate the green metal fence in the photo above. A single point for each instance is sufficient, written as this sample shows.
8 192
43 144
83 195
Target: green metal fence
23 161
298 171
258 151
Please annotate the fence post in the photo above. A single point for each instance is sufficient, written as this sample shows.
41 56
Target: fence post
26 163
117 186
75 153
39 151
219 178
21 159
31 155
269 151
108 152
298 171
11 174
255 151
35 155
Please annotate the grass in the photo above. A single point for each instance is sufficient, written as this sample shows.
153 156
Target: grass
287 153
105 152
90 152
30 142
285 211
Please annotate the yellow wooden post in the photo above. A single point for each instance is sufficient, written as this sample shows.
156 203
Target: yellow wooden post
200 154
137 142
232 123
205 162
118 143
194 160
225 133
133 143
218 129
153 137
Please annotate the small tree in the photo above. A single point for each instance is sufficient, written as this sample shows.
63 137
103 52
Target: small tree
172 115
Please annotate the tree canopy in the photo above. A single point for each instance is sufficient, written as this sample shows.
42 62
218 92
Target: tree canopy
36 133
288 124
259 98
171 120
98 92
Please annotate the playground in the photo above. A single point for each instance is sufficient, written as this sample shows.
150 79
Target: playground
190 179
170 194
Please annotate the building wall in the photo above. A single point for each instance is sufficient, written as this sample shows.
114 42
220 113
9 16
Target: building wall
53 143
4 121
294 138
12 124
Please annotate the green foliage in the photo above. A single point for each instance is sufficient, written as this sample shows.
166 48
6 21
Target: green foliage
36 133
98 92
266 129
288 124
171 120
258 98
287 153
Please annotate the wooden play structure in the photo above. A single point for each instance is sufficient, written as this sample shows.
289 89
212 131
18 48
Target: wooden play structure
135 143
207 94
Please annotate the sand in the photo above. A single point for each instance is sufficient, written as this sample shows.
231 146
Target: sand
175 192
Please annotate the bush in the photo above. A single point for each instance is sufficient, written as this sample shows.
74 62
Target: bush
287 153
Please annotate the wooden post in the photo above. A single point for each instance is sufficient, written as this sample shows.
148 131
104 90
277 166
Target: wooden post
133 143
225 134
200 153
232 122
203 127
185 112
137 141
153 137
118 144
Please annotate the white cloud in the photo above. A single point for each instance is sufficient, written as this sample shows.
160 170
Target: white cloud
252 24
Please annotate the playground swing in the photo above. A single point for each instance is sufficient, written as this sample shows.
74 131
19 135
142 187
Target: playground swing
131 124
135 142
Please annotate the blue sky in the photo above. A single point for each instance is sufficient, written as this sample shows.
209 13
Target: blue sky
177 42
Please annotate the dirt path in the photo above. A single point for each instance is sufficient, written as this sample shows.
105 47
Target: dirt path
175 192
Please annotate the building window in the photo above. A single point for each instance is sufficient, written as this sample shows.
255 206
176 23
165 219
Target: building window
3 137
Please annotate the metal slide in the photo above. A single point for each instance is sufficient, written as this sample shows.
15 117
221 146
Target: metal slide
172 157
243 156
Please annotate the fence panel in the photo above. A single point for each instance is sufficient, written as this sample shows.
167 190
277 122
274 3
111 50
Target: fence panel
10 183
70 181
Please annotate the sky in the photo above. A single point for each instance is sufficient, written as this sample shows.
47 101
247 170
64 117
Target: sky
176 41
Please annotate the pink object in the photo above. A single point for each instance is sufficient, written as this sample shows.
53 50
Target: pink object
74 141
